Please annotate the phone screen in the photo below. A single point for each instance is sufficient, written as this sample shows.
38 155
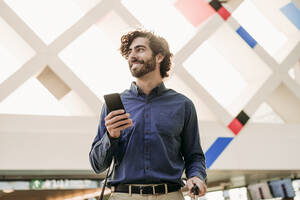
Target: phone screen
113 102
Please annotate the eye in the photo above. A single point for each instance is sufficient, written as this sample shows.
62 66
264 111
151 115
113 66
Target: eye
140 49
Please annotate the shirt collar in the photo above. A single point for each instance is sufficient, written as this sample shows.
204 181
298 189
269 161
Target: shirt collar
158 90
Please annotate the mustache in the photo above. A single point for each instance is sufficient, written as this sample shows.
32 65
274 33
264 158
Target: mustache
136 60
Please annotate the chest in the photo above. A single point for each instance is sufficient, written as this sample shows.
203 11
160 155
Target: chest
163 116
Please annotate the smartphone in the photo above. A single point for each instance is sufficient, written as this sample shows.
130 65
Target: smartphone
113 102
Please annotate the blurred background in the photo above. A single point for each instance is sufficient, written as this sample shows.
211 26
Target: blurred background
237 60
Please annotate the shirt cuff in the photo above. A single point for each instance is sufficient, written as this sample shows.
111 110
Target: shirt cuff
199 176
111 139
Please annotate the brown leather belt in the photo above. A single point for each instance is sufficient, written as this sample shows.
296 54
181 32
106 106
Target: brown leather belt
155 189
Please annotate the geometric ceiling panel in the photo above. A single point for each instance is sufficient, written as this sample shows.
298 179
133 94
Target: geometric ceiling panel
76 105
265 114
165 20
94 58
242 117
215 4
196 11
253 70
285 103
86 5
53 83
207 141
246 36
225 14
258 26
32 98
228 69
215 74
47 18
216 149
272 11
203 112
113 26
62 92
14 51
292 13
294 72
222 11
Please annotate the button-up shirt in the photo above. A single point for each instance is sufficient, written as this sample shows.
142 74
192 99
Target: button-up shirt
162 142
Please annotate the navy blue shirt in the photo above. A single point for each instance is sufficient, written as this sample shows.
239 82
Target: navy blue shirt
162 142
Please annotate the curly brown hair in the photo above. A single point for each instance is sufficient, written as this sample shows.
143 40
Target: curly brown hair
157 44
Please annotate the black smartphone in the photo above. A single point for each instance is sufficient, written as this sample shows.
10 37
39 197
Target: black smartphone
113 102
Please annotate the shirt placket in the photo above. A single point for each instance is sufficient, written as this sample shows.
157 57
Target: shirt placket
147 135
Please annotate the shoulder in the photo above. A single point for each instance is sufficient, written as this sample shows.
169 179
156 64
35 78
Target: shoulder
180 97
126 94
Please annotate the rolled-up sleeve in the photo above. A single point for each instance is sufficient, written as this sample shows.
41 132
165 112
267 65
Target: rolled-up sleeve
191 149
103 147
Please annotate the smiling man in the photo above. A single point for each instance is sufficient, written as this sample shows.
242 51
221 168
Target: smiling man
158 138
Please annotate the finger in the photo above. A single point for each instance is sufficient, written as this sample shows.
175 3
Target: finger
116 118
114 113
124 127
121 127
192 195
120 123
190 185
205 188
202 188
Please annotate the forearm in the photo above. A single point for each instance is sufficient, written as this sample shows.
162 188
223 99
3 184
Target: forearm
196 166
101 154
192 151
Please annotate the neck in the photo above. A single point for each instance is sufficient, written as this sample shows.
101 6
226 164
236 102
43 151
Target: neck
148 82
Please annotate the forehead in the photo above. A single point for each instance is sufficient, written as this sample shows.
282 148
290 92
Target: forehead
139 41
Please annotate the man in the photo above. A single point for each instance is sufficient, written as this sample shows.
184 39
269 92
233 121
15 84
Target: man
157 138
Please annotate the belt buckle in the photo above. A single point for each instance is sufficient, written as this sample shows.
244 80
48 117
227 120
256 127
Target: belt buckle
141 190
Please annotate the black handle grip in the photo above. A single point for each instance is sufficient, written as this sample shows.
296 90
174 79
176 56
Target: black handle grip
195 190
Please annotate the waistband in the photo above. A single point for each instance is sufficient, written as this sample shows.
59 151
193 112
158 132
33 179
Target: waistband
146 189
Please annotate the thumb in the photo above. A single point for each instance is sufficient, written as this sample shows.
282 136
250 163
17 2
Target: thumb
190 184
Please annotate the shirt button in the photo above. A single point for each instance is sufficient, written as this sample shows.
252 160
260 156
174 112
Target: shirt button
147 132
147 148
147 115
147 168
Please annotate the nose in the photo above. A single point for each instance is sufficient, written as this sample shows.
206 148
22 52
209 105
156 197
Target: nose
131 55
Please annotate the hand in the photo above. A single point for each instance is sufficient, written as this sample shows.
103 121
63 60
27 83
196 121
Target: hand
115 121
200 184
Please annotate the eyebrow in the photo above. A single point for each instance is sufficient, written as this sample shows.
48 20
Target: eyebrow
138 46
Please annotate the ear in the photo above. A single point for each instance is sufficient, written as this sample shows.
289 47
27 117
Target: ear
159 58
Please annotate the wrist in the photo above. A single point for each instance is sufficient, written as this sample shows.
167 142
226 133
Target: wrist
112 137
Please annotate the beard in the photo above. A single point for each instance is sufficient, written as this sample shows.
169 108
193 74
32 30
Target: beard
146 67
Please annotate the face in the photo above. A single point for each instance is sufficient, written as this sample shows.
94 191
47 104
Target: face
140 58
